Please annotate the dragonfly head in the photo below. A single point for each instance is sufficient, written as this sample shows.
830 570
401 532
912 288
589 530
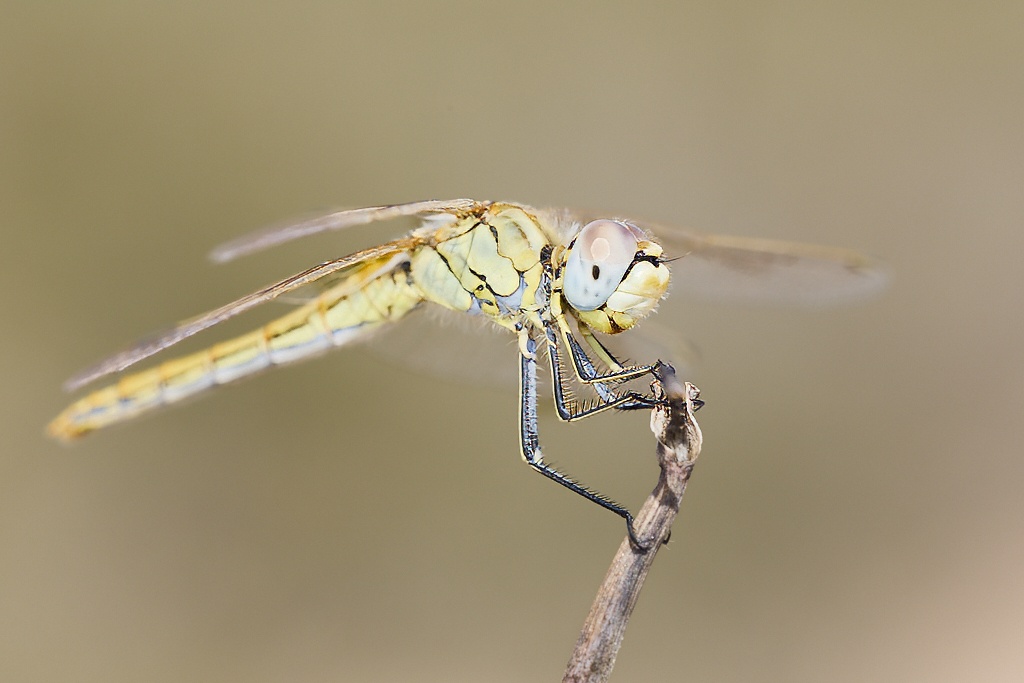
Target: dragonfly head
613 275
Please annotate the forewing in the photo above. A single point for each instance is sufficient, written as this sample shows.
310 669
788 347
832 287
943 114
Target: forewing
161 341
454 346
339 220
753 270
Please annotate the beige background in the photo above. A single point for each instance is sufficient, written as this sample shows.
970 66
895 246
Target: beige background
856 514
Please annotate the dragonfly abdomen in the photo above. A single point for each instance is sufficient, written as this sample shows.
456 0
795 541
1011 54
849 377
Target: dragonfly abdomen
381 293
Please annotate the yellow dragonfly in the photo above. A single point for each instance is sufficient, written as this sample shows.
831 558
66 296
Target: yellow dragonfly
552 278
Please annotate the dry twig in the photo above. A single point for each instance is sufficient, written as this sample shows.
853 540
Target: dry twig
679 442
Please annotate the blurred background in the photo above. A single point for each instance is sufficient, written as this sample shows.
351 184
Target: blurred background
856 513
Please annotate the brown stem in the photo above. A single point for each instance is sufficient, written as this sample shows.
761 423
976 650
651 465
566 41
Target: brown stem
679 442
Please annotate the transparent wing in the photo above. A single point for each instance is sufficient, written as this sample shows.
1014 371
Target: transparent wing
456 347
186 329
339 220
767 271
655 338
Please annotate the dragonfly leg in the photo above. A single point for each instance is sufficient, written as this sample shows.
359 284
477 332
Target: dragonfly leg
584 366
530 444
588 373
642 401
568 408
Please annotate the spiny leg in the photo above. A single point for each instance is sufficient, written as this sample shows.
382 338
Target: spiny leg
530 443
604 354
580 356
588 373
568 408
585 369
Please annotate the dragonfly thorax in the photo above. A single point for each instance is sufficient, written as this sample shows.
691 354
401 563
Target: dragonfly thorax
612 275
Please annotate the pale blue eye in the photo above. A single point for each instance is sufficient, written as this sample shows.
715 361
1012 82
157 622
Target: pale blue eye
597 262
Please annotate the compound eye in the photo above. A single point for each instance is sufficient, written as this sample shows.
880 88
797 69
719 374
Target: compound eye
597 262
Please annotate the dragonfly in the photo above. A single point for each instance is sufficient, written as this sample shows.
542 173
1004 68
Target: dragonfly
558 281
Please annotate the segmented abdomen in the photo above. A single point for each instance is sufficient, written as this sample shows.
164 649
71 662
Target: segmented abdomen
377 293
